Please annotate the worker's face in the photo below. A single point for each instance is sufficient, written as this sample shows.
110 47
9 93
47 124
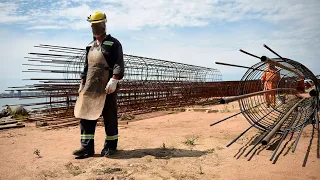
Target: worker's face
98 29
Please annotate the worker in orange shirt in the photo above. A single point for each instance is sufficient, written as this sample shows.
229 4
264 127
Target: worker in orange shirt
300 85
270 79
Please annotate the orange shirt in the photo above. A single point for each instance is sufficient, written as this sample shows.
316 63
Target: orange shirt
270 78
300 86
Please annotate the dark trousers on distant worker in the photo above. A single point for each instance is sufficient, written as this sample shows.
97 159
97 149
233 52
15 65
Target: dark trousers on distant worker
110 120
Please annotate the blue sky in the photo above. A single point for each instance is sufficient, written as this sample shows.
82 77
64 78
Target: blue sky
193 32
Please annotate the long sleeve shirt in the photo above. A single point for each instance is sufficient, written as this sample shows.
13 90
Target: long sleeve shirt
112 51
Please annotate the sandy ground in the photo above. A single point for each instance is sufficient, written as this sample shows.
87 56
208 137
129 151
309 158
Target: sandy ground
174 146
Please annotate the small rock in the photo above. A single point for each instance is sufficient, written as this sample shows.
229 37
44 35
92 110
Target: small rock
40 124
180 110
125 116
19 123
212 111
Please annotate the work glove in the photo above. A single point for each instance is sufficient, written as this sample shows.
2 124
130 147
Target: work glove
111 86
80 87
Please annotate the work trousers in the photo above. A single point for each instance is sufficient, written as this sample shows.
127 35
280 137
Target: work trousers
110 120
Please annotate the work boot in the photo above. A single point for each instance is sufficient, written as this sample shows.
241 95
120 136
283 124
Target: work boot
107 152
82 152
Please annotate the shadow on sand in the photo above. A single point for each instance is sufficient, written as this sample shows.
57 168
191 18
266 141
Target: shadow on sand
158 153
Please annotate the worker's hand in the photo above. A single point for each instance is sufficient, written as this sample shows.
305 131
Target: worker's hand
111 86
80 87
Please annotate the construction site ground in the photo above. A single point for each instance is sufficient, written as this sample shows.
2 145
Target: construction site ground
176 145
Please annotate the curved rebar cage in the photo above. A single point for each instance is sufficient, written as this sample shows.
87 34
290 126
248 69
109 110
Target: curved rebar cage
278 96
264 110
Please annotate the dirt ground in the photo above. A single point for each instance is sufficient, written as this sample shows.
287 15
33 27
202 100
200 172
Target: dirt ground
175 146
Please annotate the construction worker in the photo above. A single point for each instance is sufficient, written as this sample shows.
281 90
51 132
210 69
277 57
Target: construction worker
106 50
270 79
301 85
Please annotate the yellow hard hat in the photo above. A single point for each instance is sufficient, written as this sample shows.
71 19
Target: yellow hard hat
97 17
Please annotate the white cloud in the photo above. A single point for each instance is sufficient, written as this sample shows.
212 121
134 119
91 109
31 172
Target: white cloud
8 13
44 27
137 14
74 13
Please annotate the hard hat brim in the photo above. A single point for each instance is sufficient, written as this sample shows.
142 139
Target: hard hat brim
99 21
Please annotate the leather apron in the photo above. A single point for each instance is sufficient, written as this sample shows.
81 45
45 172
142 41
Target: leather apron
91 100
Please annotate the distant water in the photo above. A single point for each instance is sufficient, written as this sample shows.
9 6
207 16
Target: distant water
14 101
